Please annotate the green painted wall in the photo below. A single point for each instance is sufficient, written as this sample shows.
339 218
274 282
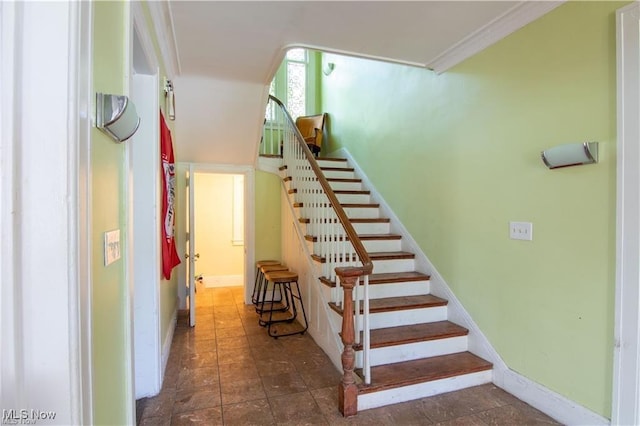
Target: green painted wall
108 212
267 199
457 156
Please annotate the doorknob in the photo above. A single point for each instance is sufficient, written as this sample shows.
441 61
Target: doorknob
197 255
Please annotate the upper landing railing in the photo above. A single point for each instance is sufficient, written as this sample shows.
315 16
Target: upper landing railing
344 259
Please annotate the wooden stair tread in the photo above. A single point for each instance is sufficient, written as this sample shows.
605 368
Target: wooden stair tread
392 336
391 255
331 159
354 180
351 192
401 303
363 237
360 205
387 278
337 169
365 220
392 376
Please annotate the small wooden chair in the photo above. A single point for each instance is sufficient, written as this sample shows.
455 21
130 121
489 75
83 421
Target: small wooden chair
311 128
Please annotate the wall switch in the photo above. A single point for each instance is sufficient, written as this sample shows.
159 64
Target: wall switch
111 246
521 231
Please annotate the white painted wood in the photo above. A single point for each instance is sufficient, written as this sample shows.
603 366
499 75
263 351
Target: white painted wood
422 390
163 24
353 198
52 343
362 212
147 258
331 163
554 405
213 281
338 174
191 250
395 265
382 245
372 228
510 21
626 373
406 317
411 288
345 186
413 351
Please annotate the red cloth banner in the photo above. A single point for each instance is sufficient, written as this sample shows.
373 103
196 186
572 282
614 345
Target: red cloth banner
170 258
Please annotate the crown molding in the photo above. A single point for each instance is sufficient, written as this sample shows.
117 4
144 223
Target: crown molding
505 24
165 35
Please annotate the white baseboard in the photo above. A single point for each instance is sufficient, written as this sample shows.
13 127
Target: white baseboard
212 281
166 345
549 402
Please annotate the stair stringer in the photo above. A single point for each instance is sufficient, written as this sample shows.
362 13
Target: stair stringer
296 255
478 343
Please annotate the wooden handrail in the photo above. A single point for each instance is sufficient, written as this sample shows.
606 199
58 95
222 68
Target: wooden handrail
367 265
349 275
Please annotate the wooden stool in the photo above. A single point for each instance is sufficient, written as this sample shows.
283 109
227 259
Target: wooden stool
284 282
263 284
259 277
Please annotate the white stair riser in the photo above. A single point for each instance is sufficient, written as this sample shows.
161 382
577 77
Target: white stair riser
354 198
372 228
325 163
411 351
382 245
339 174
394 265
362 212
346 186
422 390
410 288
407 317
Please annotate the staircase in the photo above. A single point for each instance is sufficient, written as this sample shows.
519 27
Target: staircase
414 350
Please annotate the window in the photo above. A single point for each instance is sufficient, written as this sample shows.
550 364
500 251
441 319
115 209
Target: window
293 83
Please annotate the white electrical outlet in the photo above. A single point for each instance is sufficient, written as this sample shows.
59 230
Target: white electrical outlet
521 231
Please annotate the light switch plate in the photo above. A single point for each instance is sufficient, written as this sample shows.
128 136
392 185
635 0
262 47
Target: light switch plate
521 231
111 246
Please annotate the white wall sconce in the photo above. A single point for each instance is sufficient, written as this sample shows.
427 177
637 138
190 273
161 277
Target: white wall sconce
570 154
169 100
116 116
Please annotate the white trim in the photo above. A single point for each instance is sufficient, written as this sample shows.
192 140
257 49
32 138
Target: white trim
515 18
538 396
165 34
549 402
84 106
168 339
626 373
213 281
249 212
144 34
128 255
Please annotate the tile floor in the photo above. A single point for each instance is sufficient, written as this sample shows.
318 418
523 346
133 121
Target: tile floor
227 371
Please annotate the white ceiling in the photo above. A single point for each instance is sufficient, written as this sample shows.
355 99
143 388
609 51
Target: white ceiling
243 42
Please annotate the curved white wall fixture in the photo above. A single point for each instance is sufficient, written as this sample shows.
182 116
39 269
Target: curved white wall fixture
570 154
116 116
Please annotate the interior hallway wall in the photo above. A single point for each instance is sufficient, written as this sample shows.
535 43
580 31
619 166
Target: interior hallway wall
457 156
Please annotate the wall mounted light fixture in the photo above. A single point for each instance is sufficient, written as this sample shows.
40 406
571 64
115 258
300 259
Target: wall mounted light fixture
328 68
570 154
116 116
169 100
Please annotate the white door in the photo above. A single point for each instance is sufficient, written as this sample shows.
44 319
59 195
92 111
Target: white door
191 257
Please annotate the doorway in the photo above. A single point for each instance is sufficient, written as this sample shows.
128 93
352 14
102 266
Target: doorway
219 229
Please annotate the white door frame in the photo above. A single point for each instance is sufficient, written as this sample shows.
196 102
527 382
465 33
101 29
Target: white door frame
44 213
626 374
249 213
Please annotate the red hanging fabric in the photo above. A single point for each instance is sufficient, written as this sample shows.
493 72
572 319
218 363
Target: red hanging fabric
170 258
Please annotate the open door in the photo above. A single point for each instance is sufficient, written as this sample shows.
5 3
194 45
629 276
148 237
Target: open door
190 245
